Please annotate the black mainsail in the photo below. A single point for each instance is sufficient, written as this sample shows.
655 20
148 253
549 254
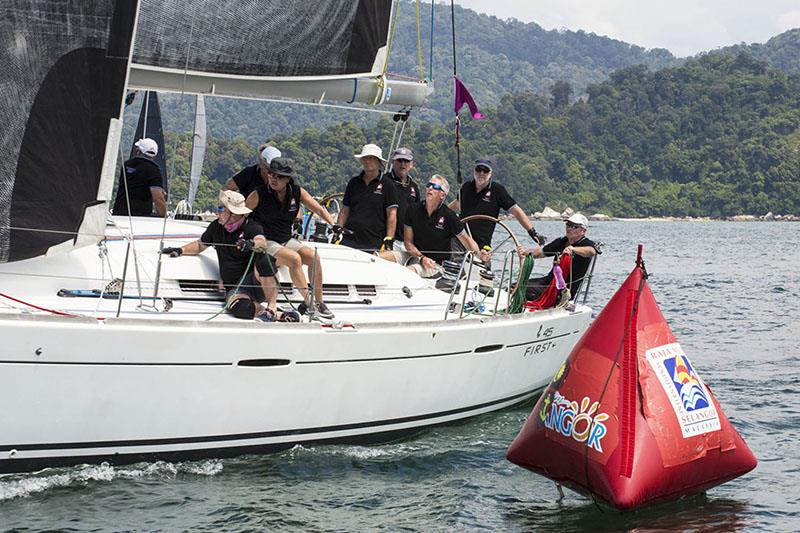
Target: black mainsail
150 126
63 67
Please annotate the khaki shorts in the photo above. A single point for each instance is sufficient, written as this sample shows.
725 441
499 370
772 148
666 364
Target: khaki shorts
275 247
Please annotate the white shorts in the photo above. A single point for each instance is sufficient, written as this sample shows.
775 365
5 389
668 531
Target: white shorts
275 247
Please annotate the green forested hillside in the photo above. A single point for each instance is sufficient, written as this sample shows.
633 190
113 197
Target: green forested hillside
717 136
781 51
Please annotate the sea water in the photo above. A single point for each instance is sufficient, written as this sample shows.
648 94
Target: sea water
731 293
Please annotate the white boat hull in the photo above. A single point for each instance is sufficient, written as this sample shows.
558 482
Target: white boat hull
146 389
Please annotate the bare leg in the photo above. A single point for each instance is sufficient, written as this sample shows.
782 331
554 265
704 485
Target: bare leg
293 261
270 288
307 255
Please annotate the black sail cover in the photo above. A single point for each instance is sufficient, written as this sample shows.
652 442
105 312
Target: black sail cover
275 38
62 78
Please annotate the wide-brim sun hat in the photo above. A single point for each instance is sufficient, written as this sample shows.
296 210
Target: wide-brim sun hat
370 150
234 202
579 220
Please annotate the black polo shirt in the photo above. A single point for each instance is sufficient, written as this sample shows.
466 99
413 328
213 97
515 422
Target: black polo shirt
141 174
580 264
232 262
432 234
274 216
248 179
368 205
486 202
407 194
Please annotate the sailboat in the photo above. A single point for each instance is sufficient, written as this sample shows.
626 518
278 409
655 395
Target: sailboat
112 352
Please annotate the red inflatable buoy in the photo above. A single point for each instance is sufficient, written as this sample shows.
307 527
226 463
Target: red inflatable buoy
627 419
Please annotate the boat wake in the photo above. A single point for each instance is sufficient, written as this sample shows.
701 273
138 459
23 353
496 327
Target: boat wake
23 485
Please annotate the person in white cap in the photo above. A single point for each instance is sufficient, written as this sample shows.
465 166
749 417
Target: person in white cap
249 178
143 185
247 281
576 244
369 206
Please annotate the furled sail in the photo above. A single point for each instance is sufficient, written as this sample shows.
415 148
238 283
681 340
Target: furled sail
198 147
332 49
63 68
150 126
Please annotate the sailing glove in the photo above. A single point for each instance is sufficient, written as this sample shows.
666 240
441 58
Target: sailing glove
244 245
172 252
538 239
388 244
337 230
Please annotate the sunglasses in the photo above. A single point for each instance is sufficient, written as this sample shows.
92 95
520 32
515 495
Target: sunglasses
435 186
403 161
482 169
220 208
570 225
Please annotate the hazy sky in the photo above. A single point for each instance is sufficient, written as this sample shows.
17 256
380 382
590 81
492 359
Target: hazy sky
684 27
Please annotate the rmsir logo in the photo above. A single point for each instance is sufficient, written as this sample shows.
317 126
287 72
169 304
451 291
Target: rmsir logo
687 394
580 423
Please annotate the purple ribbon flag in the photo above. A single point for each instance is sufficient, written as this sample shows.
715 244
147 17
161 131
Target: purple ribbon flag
463 97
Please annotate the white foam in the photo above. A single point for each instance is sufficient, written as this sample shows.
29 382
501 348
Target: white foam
24 485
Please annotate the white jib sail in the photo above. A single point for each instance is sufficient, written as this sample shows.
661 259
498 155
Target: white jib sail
198 147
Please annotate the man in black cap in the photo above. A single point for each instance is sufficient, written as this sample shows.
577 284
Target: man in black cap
484 196
407 190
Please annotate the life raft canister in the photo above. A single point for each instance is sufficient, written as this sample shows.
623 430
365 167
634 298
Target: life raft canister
627 418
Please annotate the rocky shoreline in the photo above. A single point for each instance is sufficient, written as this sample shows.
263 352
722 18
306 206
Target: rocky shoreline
551 214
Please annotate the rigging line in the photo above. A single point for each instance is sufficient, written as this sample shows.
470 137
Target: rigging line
419 45
53 311
430 65
129 236
453 24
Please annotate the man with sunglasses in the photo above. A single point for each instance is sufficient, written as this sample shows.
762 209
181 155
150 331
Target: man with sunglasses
407 190
484 196
576 244
429 227
248 278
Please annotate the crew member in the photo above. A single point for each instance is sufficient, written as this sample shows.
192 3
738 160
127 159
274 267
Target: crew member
248 278
428 230
275 206
574 243
369 206
143 185
484 196
246 180
407 190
